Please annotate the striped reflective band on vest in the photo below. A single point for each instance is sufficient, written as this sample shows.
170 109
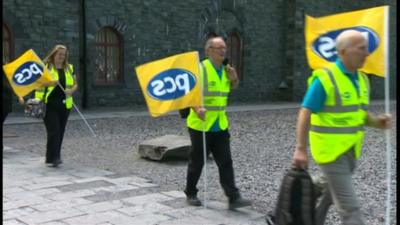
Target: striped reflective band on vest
364 106
336 130
338 108
347 108
208 93
215 108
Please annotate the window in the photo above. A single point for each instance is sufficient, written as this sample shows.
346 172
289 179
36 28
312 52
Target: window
7 45
108 57
235 52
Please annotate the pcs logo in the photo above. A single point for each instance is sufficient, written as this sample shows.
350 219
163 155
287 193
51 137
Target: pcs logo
324 45
171 84
27 73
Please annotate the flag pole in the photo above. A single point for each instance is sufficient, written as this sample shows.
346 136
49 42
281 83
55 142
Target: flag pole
90 128
387 111
204 132
205 164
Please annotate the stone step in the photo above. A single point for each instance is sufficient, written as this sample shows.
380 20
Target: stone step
167 146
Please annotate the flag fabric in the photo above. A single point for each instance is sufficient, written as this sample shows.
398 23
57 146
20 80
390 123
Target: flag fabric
27 73
171 83
320 35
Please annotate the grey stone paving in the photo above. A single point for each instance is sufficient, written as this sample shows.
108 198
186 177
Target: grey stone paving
36 194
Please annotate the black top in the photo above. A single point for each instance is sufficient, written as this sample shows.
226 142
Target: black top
57 95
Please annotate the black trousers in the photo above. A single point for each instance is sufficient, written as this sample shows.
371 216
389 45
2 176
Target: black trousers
218 143
55 121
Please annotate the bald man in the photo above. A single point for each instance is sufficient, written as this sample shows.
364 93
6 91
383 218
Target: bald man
211 119
332 117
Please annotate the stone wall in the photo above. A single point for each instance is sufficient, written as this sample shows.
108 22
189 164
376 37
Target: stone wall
321 8
40 25
274 62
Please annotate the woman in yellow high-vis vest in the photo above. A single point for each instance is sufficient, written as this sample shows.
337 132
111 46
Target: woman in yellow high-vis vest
58 101
211 119
333 115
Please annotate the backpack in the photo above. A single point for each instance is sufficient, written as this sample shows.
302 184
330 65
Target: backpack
35 108
184 113
296 200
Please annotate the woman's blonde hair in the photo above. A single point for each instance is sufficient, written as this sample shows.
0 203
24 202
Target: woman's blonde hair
49 60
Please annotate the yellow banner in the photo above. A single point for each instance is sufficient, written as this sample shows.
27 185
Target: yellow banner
321 33
171 83
27 73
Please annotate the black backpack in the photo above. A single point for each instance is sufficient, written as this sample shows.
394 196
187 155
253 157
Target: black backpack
184 113
296 200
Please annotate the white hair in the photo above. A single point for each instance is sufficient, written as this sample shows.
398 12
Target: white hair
210 41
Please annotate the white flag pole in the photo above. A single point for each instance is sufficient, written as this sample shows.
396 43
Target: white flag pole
205 164
387 111
90 128
200 68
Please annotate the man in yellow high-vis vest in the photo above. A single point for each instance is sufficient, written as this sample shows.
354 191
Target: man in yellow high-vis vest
333 115
218 79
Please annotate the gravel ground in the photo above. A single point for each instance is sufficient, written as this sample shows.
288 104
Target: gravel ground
261 142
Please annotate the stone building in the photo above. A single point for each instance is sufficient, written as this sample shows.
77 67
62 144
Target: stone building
108 38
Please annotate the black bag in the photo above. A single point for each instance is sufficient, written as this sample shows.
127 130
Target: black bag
35 108
184 112
296 200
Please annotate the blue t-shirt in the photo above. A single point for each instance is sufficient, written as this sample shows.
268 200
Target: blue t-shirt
315 96
215 127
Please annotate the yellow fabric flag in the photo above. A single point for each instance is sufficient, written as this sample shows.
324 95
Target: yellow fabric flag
171 83
27 73
321 33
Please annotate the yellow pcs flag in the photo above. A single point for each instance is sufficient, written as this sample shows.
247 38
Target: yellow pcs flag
27 73
171 83
321 33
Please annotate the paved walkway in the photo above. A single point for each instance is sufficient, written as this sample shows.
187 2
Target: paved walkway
36 194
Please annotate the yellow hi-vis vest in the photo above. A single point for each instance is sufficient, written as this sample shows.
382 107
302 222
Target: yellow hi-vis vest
339 125
215 91
69 82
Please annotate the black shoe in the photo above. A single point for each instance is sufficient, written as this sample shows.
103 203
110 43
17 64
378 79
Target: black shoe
56 163
238 202
317 191
193 200
270 219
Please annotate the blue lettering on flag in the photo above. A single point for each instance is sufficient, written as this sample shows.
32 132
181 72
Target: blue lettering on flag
171 84
324 45
27 73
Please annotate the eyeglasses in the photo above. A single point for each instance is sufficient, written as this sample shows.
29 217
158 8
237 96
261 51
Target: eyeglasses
218 48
